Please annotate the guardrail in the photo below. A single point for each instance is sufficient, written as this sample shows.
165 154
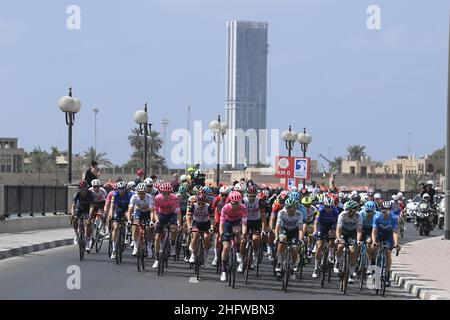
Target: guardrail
33 199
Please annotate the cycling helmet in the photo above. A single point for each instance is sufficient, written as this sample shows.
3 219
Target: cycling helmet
314 197
377 196
148 181
341 195
160 181
328 202
235 196
430 183
307 201
370 206
200 198
182 189
207 189
196 189
131 185
252 189
238 187
95 183
400 195
165 187
290 202
223 190
295 195
121 185
183 178
351 205
386 205
395 197
82 184
426 196
355 197
141 187
262 195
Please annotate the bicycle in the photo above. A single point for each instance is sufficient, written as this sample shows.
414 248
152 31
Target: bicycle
96 229
381 262
81 236
402 226
142 245
200 255
120 246
165 252
362 264
344 271
249 255
326 266
232 260
302 260
287 269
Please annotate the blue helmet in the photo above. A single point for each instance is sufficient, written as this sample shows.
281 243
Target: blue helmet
294 195
370 206
207 189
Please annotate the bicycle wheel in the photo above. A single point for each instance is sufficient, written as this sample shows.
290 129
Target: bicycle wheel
178 245
302 260
231 257
248 261
362 269
260 257
110 246
383 275
99 240
324 266
287 269
346 271
81 241
119 246
200 257
233 274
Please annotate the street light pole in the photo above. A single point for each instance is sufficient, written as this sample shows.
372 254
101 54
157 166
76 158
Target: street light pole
95 128
219 129
304 139
447 156
141 118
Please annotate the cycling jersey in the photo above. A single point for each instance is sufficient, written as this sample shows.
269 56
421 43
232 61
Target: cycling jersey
349 224
217 205
99 196
142 205
253 209
109 197
184 201
166 206
82 203
327 221
309 214
121 202
367 222
288 222
230 214
200 214
385 227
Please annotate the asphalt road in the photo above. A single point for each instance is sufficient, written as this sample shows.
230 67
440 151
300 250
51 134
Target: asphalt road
42 275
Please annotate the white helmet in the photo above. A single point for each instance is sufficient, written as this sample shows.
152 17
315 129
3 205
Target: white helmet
95 183
183 177
394 197
131 185
141 187
148 181
354 192
430 182
377 196
400 195
223 189
238 187
426 196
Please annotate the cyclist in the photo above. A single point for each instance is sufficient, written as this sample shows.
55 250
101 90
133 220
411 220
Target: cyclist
289 228
200 216
130 186
378 200
325 228
367 213
99 202
167 207
233 222
256 219
119 206
208 192
349 226
217 205
82 204
385 228
309 213
108 207
141 204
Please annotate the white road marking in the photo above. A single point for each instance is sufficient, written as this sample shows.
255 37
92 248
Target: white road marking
193 280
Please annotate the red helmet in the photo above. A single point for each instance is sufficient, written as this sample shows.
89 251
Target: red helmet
82 184
235 196
262 195
201 197
140 172
166 187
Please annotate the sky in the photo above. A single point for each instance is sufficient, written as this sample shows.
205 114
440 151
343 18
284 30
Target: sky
326 70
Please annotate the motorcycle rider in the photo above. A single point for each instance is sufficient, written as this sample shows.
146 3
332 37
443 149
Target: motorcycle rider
425 200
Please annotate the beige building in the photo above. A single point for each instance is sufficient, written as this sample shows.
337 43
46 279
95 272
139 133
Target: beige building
408 165
11 157
363 166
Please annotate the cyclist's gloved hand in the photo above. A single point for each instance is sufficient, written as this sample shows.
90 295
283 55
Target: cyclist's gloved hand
128 223
315 234
211 230
151 224
359 243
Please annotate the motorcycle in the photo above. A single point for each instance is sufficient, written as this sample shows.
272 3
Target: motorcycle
424 219
440 218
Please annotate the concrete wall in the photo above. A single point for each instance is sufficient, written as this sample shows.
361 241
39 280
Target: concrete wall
35 223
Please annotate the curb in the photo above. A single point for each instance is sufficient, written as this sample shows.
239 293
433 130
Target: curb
9 253
413 285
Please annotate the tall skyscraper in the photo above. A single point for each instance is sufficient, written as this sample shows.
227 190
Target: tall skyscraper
245 105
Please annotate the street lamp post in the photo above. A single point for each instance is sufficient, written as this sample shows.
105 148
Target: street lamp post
289 137
70 106
141 118
219 129
304 139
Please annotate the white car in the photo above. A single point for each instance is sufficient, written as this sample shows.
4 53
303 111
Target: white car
411 207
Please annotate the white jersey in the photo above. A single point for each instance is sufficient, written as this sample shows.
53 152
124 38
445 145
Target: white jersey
290 222
99 196
141 205
253 212
350 224
199 214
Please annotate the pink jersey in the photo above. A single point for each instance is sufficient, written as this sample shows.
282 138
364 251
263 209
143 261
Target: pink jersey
110 195
229 214
168 206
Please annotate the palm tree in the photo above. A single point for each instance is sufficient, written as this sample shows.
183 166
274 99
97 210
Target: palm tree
91 155
40 162
154 143
54 153
355 152
336 165
136 140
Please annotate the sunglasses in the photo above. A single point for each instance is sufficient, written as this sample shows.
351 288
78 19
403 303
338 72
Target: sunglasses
328 207
96 187
251 196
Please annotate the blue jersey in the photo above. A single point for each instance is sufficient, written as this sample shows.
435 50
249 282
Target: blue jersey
327 221
385 227
121 202
367 223
83 203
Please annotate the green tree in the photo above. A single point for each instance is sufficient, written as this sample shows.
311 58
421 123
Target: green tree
91 155
154 144
355 152
54 153
40 162
336 165
438 160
